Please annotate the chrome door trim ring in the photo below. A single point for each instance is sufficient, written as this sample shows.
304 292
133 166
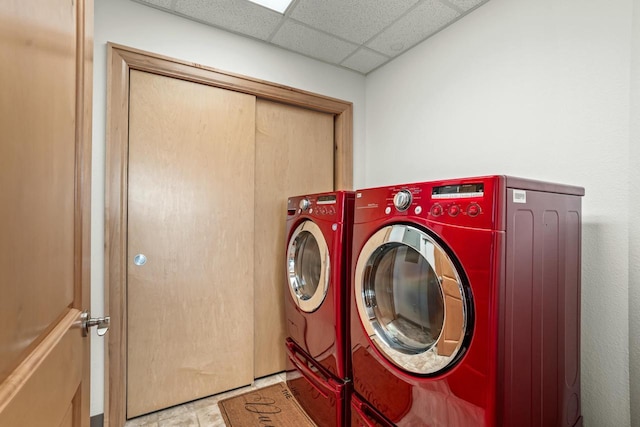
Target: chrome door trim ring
316 300
429 361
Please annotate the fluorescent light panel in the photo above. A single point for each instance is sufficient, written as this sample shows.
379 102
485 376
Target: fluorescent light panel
278 5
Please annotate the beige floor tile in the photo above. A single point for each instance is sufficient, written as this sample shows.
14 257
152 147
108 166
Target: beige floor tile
210 417
203 412
173 412
267 381
149 424
203 403
145 420
189 419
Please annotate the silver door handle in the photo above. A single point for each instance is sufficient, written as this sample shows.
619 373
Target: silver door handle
88 322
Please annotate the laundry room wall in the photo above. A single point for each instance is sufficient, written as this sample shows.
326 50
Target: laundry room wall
634 225
538 89
131 24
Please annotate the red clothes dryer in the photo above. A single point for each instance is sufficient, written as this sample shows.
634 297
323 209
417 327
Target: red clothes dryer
319 231
466 304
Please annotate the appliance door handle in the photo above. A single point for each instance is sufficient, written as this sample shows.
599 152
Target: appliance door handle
364 417
368 416
331 382
308 374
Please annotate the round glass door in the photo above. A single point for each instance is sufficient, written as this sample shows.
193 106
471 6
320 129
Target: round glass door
411 299
308 266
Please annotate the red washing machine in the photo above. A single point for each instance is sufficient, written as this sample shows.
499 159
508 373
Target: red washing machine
466 304
319 231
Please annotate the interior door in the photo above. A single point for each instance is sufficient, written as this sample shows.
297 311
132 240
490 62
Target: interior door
45 118
294 156
190 241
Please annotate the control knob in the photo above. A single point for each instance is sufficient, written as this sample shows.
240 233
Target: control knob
304 204
402 200
453 210
473 209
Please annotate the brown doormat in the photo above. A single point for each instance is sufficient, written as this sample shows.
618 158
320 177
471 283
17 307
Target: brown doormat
273 405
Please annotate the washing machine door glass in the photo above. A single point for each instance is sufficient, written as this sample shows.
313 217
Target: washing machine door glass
410 299
308 266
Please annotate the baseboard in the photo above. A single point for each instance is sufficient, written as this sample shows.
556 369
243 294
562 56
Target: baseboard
97 420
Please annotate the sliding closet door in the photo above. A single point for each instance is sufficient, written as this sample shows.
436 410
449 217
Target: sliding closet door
190 242
294 155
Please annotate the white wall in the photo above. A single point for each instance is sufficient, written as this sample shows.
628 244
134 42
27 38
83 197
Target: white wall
538 89
134 25
634 226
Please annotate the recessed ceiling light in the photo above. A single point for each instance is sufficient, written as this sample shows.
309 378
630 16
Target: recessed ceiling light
278 5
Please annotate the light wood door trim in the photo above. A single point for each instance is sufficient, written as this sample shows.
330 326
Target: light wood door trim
84 128
120 61
171 67
343 156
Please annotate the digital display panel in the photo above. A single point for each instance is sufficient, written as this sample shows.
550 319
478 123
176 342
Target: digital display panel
327 200
458 191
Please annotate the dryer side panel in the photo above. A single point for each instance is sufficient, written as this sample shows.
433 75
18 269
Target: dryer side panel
540 373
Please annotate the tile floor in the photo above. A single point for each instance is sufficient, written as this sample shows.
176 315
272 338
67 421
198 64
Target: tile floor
199 413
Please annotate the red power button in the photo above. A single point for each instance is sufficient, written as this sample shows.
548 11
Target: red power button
473 209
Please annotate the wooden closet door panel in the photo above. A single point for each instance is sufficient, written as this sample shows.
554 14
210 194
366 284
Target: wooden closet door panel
191 213
294 155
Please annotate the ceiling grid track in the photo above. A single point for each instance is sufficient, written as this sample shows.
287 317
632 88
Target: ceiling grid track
358 35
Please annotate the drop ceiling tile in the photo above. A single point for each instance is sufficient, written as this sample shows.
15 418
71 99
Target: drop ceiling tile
466 4
166 4
233 15
420 23
354 20
364 60
302 39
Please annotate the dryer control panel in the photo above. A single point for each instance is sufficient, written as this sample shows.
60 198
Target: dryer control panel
457 199
329 206
470 202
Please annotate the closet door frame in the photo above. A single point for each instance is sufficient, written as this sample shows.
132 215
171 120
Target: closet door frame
120 60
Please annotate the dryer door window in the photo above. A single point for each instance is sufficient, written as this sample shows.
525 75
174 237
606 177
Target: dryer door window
410 299
308 266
